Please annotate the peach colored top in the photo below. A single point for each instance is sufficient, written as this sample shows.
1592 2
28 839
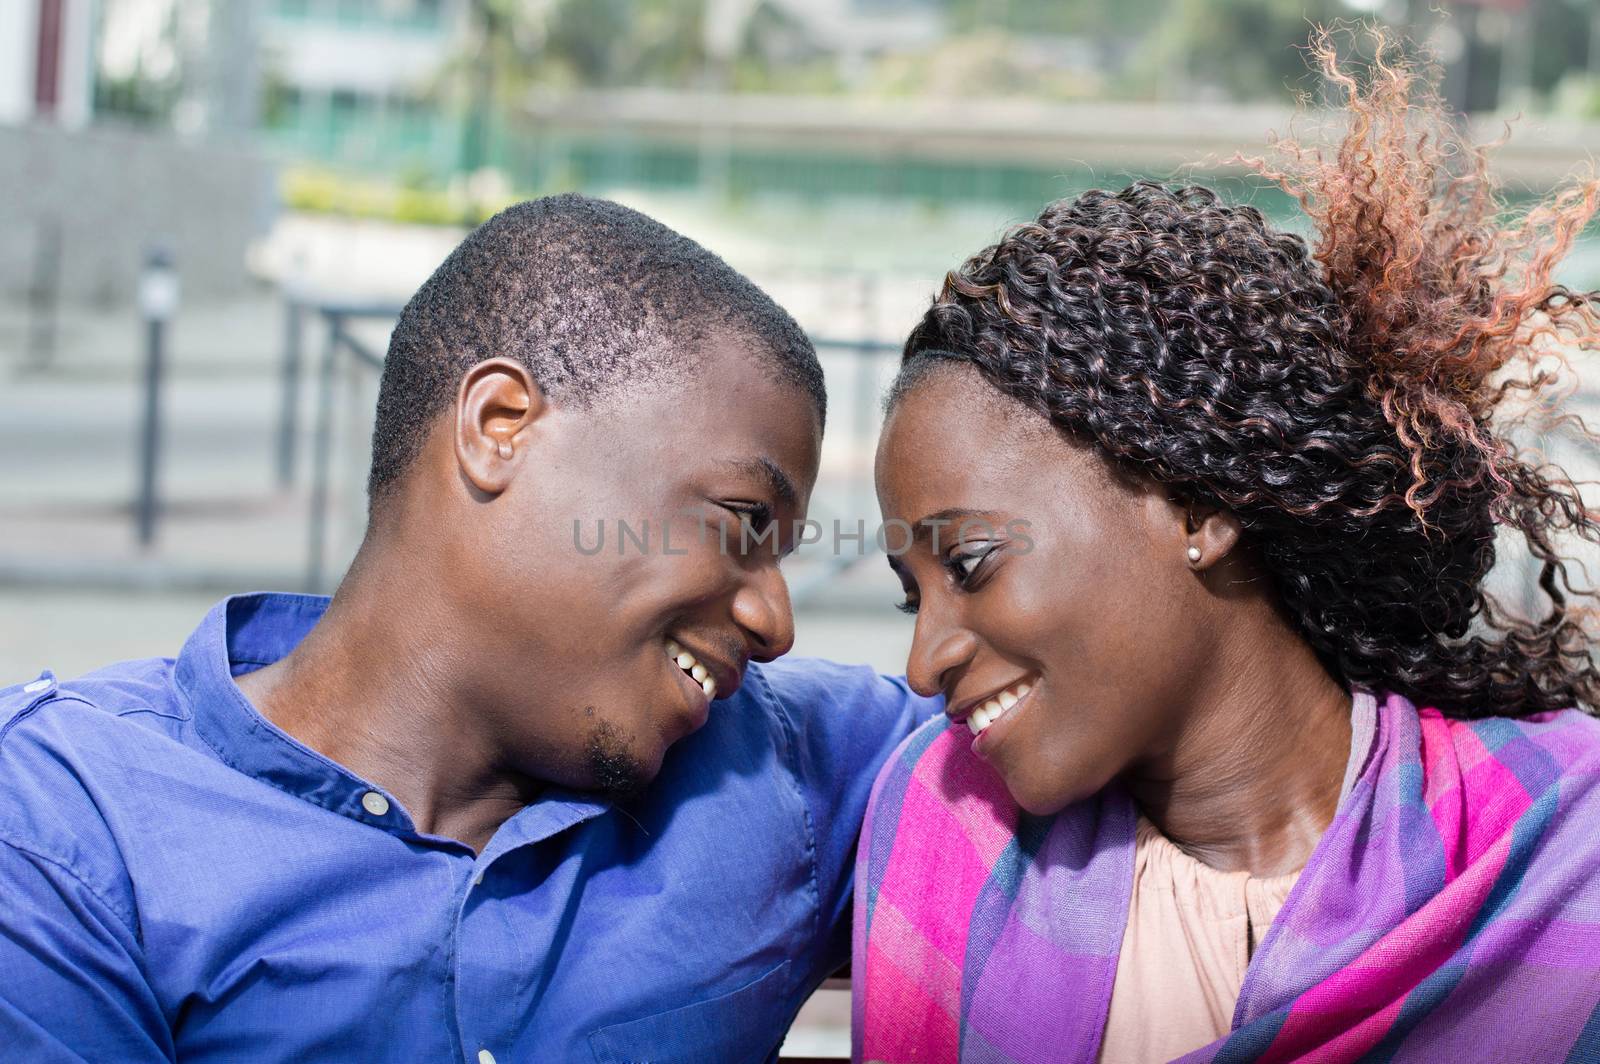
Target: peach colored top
1191 933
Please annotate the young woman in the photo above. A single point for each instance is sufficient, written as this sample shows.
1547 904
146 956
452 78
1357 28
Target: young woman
1244 761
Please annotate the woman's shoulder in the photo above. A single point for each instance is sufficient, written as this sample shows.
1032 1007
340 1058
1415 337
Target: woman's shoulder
934 782
1572 736
1492 759
938 755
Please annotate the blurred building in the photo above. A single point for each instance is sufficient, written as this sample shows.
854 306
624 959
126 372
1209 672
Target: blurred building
361 82
865 27
353 80
125 124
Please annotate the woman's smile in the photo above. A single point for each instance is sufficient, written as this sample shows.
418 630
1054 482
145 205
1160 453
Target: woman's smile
980 714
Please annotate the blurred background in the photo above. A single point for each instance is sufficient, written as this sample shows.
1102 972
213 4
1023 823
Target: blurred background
212 210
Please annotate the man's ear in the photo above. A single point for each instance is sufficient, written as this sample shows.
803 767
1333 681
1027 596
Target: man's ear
497 408
1210 534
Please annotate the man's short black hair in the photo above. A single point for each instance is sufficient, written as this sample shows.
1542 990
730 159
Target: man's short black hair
590 296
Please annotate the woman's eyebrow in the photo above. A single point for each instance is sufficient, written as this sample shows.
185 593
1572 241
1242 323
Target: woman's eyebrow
934 524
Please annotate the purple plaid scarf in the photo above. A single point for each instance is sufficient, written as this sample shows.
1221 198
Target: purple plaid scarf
1451 912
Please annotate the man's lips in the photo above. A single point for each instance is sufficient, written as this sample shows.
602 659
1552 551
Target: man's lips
699 665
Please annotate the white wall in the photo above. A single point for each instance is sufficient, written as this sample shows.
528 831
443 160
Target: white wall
19 30
75 95
108 193
323 55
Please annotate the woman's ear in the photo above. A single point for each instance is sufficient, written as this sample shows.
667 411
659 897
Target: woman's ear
498 406
1210 534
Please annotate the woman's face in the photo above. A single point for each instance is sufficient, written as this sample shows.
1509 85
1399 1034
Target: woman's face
1041 582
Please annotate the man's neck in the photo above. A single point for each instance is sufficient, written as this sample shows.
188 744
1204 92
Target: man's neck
1254 780
372 688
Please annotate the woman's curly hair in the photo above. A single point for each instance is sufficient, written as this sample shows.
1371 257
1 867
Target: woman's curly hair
1348 402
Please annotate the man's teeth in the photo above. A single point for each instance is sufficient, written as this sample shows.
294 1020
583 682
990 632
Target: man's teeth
996 707
697 672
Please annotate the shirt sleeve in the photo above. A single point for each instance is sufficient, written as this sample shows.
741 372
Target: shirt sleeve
846 721
72 985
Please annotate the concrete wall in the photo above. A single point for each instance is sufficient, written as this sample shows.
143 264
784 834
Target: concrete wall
19 43
101 196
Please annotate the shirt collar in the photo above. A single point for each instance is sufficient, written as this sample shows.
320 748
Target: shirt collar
239 635
555 811
244 633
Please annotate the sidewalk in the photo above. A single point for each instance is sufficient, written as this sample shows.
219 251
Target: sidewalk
69 457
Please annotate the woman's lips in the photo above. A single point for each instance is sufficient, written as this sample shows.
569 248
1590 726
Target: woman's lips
993 729
982 713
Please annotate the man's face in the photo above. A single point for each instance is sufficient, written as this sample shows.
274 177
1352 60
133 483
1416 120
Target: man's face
627 543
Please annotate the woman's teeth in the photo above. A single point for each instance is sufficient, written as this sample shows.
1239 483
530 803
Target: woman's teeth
997 707
697 672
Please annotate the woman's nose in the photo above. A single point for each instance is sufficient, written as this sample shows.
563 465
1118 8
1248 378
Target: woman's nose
938 649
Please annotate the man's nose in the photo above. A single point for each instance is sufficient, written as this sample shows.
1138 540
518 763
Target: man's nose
761 607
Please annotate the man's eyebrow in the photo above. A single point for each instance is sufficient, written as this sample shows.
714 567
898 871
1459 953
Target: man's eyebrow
771 474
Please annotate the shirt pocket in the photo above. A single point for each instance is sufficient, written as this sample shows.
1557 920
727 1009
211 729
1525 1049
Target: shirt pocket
738 1027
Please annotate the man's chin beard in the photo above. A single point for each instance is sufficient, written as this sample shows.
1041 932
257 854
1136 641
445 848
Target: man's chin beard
616 772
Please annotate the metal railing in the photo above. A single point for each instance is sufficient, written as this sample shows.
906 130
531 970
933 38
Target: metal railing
340 343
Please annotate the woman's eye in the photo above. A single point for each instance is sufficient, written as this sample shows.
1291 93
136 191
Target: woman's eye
965 561
907 607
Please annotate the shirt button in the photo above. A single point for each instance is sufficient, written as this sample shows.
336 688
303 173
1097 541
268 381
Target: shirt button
375 803
485 1057
35 687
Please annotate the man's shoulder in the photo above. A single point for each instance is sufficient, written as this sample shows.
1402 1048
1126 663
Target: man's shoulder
804 688
71 754
112 701
69 749
838 721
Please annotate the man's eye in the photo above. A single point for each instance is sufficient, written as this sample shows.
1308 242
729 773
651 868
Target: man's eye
756 528
756 516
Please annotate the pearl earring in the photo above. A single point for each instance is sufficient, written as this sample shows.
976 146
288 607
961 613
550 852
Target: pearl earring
1194 554
505 449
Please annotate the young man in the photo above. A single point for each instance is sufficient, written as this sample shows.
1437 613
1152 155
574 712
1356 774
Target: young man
508 796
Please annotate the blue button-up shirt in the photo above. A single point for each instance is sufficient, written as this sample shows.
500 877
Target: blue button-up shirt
181 880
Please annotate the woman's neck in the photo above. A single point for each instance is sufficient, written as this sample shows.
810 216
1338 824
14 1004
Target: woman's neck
1253 780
